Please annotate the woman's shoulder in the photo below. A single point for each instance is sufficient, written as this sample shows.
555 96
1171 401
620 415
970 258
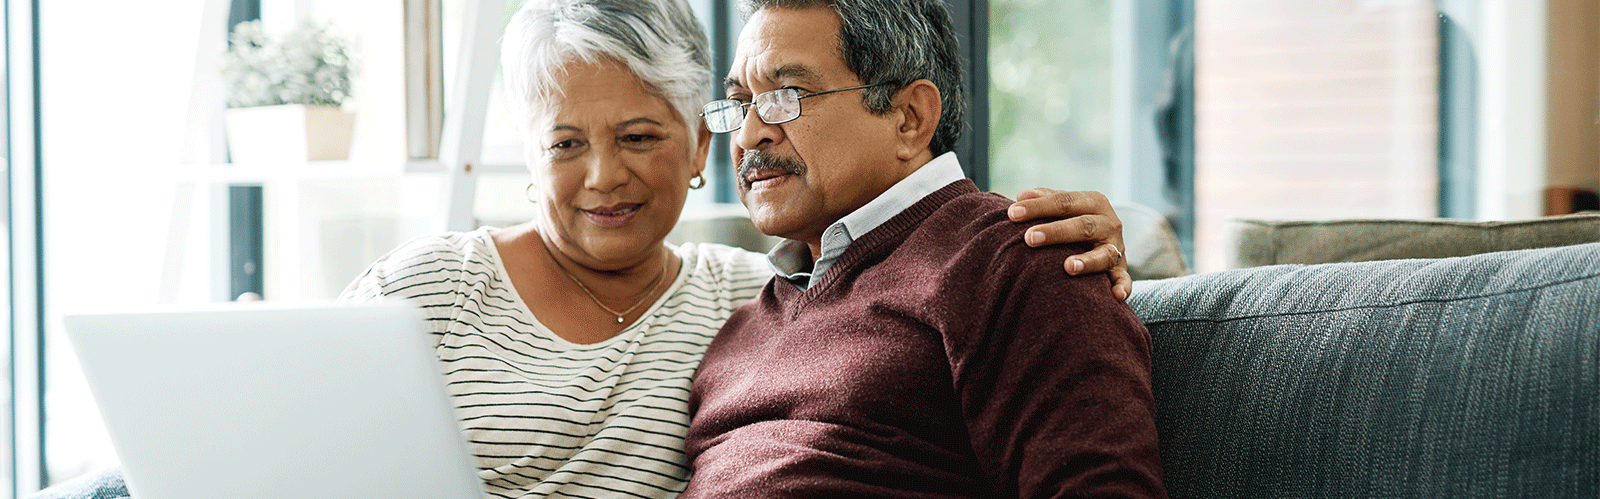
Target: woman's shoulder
442 243
429 260
724 265
443 248
723 258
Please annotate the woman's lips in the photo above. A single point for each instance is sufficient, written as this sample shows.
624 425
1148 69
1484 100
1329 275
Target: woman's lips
616 215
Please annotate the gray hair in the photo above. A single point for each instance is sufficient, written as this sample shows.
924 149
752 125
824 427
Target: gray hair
896 42
659 40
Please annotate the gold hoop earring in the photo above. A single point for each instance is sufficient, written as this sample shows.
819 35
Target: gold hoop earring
527 195
700 177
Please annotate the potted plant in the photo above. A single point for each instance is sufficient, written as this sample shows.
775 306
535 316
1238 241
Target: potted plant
284 95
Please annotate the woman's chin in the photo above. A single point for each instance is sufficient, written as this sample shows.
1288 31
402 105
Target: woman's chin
618 249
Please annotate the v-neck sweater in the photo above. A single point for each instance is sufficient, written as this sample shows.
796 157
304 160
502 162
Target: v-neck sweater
939 357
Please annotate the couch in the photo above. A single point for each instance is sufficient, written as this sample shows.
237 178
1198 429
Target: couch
1473 376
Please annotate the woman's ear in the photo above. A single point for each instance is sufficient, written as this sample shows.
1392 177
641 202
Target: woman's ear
919 107
702 148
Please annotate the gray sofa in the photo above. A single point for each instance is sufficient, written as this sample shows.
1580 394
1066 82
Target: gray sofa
1474 376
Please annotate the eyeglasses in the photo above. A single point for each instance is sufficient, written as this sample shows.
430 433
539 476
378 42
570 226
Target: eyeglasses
774 107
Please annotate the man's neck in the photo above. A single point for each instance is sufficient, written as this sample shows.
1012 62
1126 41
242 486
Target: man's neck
906 167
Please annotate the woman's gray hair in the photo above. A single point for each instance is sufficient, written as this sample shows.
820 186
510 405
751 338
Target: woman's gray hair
882 44
659 40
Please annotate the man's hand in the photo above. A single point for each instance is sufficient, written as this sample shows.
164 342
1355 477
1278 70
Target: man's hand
1089 218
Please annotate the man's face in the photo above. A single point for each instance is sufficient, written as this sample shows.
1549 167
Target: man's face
796 178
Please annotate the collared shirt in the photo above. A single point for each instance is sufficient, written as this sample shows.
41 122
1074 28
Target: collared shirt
791 259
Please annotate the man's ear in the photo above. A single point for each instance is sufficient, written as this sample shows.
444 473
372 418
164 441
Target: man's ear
919 106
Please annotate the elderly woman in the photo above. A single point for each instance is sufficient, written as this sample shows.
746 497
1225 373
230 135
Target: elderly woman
569 342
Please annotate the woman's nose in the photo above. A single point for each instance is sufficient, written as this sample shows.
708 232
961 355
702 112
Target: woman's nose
606 171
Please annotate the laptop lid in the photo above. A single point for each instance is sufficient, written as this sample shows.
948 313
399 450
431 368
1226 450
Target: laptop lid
273 401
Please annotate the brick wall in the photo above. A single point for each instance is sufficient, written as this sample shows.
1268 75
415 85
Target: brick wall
1313 109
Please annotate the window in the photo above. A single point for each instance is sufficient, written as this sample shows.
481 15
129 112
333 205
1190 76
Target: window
1050 95
134 193
1300 111
1094 95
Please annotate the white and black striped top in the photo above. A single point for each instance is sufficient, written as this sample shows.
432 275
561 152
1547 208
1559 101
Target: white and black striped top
549 418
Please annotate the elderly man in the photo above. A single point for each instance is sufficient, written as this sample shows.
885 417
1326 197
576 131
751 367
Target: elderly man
911 345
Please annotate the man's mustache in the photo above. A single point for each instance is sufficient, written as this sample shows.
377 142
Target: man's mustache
758 160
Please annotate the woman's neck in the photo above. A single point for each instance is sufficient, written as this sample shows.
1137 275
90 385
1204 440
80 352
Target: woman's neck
582 301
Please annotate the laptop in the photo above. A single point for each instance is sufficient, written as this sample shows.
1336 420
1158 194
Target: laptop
267 400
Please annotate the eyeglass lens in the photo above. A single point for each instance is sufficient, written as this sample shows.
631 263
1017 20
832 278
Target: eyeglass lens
774 107
778 106
723 116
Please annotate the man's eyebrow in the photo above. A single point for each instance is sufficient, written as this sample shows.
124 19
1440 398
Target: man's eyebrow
800 72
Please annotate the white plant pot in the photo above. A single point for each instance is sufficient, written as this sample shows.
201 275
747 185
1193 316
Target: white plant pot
291 133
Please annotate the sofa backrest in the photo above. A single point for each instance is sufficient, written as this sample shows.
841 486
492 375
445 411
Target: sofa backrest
1460 377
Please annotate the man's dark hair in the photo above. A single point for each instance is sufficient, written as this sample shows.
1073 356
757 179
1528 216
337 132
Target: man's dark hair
895 42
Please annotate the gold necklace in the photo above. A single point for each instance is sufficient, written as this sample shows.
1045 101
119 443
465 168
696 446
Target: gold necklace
620 315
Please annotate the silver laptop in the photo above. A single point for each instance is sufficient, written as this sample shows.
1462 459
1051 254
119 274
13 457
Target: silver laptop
274 401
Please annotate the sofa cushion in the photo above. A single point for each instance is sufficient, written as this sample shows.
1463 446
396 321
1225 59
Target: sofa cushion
1153 248
1459 377
1261 242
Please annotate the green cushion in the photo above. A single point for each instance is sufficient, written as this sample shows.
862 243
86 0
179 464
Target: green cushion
1458 377
1261 242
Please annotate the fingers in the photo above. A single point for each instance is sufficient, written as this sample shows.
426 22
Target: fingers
1098 229
1091 220
1122 284
1030 193
1042 202
1104 258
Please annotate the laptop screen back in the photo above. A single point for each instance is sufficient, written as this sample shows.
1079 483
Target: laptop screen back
273 401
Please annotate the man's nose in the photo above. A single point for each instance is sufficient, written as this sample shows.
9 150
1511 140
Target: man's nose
754 133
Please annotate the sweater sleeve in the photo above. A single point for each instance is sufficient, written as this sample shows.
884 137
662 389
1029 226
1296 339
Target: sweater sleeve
1053 380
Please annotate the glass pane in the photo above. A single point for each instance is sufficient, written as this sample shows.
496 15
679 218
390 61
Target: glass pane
1313 110
112 143
1050 95
7 442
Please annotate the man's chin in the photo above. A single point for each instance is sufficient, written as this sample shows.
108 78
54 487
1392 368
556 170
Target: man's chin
767 220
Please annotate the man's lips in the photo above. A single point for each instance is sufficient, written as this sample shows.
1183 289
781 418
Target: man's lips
760 175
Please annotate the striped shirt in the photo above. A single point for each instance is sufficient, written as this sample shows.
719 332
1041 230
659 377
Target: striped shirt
550 418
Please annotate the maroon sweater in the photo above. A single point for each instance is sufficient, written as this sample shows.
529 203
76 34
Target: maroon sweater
939 357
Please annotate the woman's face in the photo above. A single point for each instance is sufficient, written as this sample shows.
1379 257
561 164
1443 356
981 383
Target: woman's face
611 164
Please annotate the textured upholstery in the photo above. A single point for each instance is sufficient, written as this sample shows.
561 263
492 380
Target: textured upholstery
105 484
1459 377
1259 242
